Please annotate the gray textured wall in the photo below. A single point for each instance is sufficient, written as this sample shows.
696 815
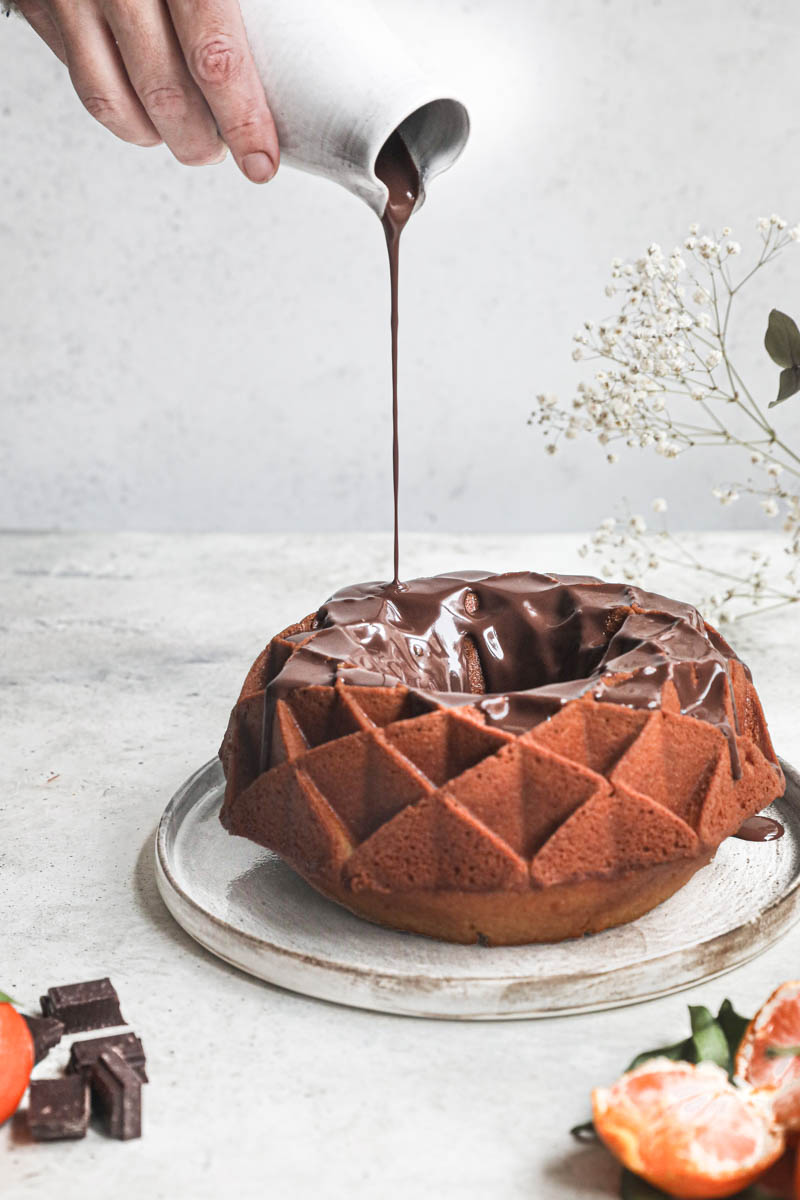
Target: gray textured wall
181 350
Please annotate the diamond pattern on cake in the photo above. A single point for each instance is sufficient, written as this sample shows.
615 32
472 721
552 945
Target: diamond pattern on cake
727 804
524 792
608 830
443 744
385 706
672 761
437 845
294 819
364 780
376 792
593 734
288 741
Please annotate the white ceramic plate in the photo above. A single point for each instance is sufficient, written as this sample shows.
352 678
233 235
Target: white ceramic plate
244 905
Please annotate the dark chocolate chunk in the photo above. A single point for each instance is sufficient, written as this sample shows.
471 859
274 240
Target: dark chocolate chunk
82 1006
117 1095
83 1055
46 1033
58 1108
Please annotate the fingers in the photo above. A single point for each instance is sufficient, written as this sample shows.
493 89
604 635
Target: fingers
157 69
40 20
98 74
214 42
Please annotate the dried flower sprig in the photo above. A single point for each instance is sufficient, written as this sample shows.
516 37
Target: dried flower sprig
667 381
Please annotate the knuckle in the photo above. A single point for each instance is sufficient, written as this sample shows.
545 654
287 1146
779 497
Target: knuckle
102 108
216 60
111 113
166 101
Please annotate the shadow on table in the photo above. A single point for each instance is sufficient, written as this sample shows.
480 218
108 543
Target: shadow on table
584 1171
149 901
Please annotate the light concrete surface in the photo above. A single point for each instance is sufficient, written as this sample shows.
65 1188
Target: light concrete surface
182 350
120 657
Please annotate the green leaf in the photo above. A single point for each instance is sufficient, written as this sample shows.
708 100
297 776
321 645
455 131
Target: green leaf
782 340
633 1187
680 1052
733 1026
4 999
788 384
708 1039
585 1132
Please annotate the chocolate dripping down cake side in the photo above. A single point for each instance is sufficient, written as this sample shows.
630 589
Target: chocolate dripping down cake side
497 758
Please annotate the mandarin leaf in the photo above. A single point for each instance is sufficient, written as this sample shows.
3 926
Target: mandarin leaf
708 1039
680 1052
585 1132
733 1025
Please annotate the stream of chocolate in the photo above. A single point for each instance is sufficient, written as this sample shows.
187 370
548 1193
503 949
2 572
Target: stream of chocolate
396 168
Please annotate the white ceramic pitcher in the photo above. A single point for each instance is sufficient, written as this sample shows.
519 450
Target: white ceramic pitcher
339 83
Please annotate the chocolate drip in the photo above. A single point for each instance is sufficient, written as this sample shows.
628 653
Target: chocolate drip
530 643
396 168
760 829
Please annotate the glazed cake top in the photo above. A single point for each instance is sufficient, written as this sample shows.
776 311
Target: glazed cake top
516 646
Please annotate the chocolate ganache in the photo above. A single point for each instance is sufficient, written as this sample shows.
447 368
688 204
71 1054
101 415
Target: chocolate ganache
516 646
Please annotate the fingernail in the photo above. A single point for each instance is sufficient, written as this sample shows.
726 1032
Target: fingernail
258 167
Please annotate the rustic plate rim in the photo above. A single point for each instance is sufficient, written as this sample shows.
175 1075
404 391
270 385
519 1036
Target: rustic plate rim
177 898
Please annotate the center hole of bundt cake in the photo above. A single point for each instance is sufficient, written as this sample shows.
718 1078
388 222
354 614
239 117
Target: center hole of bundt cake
471 604
521 647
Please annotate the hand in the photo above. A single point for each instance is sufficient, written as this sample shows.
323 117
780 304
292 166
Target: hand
177 71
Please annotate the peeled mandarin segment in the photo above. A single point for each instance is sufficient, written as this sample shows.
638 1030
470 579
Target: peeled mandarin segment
685 1129
16 1060
776 1024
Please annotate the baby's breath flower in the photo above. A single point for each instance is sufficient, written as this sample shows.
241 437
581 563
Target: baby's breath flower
659 387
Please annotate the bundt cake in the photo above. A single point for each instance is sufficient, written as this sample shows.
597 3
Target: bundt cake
497 758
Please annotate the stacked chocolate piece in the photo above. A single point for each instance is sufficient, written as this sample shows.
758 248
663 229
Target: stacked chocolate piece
104 1074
